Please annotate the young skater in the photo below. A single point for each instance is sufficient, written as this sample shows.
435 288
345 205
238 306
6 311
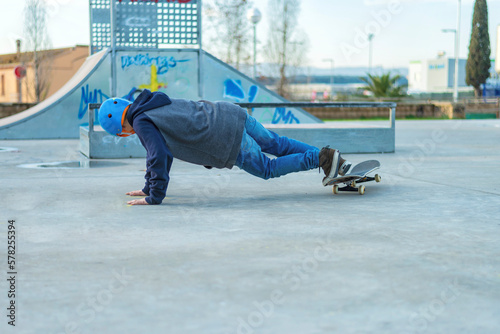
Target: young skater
211 134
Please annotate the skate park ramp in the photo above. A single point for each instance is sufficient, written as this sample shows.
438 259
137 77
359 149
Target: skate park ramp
181 73
58 115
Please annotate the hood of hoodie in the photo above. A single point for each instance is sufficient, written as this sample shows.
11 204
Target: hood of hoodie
146 101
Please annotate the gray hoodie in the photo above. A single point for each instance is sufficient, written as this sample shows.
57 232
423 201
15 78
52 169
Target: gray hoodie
204 133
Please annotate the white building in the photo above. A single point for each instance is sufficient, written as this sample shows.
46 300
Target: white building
436 76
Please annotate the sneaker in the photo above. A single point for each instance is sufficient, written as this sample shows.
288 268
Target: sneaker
345 167
330 161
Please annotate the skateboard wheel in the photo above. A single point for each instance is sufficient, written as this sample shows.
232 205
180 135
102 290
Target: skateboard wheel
353 184
335 189
377 178
361 190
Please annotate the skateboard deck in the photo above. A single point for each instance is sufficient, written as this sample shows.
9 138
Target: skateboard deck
358 174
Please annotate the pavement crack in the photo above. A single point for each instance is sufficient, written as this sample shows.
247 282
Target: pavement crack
447 185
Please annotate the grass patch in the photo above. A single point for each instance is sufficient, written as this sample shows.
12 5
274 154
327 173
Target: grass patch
413 117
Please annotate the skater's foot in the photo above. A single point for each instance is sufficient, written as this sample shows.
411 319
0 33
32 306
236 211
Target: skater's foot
332 164
345 167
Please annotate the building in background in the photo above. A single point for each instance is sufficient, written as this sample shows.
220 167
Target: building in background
436 76
61 65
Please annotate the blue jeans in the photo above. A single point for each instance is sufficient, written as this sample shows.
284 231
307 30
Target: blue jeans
292 155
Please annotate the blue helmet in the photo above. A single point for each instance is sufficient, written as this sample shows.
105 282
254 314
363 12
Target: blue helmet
112 114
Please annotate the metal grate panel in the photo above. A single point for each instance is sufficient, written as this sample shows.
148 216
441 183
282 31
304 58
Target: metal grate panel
145 24
100 25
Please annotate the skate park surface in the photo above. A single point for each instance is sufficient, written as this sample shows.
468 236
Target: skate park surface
229 253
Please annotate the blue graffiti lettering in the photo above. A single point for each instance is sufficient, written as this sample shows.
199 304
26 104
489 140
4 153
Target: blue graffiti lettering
252 93
233 90
163 64
280 114
95 96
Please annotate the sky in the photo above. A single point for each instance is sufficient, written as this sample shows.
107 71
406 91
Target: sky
404 30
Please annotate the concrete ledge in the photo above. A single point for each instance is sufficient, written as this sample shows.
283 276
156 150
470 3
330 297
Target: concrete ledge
347 140
101 145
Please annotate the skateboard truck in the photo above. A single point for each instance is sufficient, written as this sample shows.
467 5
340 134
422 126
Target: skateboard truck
357 175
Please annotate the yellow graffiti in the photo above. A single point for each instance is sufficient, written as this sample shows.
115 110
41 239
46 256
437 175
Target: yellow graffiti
154 84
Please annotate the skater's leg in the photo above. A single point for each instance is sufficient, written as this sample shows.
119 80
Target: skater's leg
272 143
252 160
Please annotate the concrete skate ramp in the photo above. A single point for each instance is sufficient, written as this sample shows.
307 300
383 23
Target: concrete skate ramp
59 115
180 73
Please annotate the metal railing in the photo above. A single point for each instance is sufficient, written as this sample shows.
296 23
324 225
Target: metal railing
389 105
304 105
320 105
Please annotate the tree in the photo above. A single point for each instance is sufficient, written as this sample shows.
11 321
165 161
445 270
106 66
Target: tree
286 45
232 30
478 62
35 30
384 85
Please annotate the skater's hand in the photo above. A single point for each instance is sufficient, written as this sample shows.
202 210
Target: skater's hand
141 201
136 193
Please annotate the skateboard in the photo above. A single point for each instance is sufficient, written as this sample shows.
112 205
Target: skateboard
358 174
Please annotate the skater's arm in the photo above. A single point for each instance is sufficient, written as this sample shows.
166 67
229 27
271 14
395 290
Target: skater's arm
159 161
145 190
141 201
136 193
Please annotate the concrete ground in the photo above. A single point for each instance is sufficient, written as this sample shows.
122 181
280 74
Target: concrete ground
229 253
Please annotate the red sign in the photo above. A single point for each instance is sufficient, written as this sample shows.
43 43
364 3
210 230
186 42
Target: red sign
20 72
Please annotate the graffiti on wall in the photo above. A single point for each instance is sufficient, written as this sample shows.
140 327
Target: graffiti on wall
154 84
159 66
90 96
162 63
124 141
282 116
233 90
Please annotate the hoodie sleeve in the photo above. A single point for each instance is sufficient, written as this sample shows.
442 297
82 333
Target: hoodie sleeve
147 177
159 159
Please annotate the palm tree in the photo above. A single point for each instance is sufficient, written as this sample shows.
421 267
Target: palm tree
384 85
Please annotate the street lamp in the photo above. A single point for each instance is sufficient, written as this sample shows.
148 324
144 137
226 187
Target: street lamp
457 50
254 16
331 74
370 53
20 78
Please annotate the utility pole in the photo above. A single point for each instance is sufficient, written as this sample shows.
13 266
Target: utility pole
370 53
19 80
254 16
331 74
457 51
113 49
